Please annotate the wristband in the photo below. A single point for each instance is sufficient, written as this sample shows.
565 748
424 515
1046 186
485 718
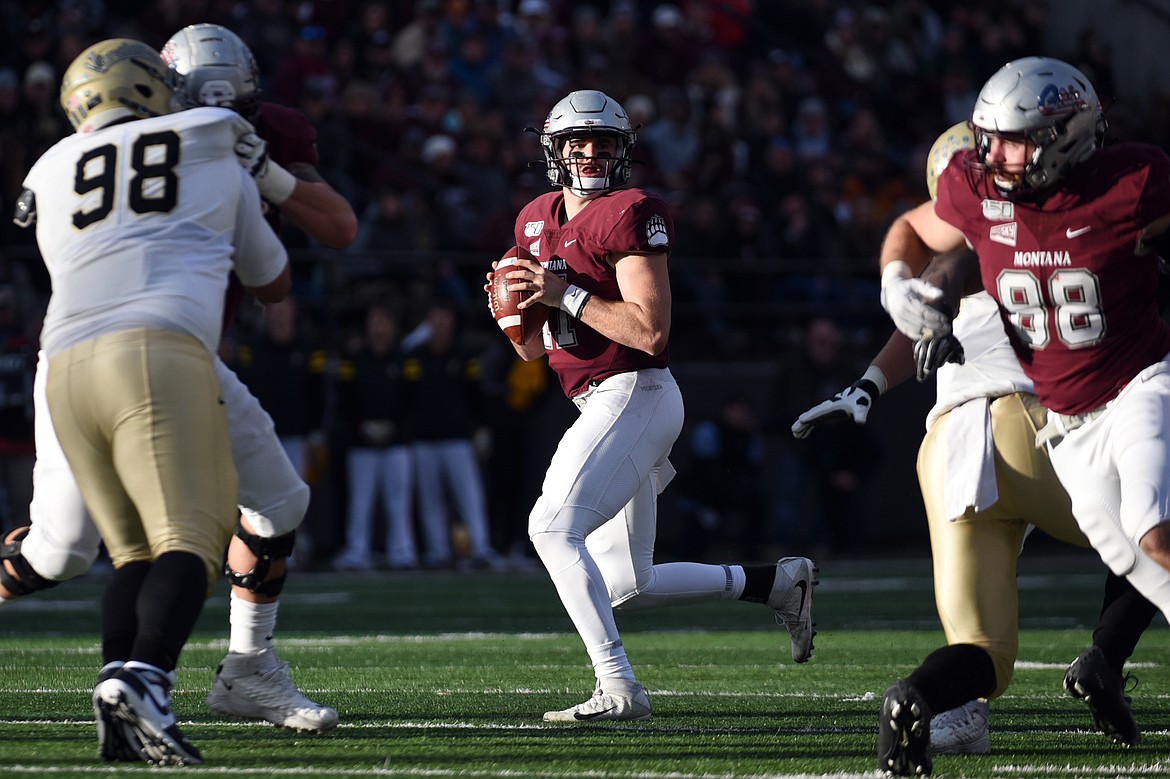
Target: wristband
895 271
878 377
276 184
574 300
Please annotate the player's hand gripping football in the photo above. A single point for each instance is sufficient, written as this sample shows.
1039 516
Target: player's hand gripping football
853 402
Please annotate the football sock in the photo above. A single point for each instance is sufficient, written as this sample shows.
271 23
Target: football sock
758 583
952 675
119 619
252 625
168 606
1125 614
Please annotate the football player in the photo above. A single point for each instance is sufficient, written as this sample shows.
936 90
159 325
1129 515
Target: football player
151 211
213 67
984 491
602 275
1066 234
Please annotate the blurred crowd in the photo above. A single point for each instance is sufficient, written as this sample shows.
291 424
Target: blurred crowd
785 134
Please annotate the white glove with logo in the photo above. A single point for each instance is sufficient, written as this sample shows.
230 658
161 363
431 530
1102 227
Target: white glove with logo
853 402
916 306
276 184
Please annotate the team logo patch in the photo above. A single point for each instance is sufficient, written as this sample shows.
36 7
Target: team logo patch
534 248
532 229
999 210
656 231
1005 234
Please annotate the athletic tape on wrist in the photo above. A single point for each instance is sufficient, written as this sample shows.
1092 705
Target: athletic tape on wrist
574 300
276 184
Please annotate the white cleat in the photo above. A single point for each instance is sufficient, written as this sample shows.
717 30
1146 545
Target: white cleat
962 730
139 696
618 700
258 686
791 600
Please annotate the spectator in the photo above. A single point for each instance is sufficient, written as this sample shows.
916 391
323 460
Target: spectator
823 486
285 372
378 456
444 406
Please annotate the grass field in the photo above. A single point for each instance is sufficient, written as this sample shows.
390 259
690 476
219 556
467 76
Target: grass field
447 674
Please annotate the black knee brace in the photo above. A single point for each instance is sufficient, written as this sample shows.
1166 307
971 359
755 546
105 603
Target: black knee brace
29 581
266 550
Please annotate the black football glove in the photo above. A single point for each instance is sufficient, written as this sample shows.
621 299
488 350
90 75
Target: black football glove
930 354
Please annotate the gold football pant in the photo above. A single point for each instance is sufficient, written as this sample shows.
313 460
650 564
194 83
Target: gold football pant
975 555
139 417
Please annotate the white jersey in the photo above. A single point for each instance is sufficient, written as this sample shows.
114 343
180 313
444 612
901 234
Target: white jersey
990 369
140 224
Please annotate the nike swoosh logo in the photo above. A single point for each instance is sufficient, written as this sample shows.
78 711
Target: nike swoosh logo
570 243
579 716
1071 233
803 585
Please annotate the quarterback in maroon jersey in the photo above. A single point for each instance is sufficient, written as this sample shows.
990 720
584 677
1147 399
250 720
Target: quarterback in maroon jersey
1063 231
602 272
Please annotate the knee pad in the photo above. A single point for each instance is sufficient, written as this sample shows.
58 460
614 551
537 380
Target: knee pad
26 580
266 550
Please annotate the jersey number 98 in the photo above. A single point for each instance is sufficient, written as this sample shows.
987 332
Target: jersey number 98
154 187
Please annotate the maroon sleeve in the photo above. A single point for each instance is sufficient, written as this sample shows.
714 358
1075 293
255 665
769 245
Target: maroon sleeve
643 226
289 135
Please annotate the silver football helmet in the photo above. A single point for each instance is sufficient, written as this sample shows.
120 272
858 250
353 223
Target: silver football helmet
1045 101
583 113
215 68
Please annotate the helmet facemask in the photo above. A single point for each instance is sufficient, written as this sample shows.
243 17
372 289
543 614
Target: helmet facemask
586 176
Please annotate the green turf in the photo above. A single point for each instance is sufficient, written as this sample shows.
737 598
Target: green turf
447 675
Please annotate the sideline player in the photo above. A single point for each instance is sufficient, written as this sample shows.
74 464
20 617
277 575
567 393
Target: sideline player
214 67
149 213
602 274
984 484
1066 234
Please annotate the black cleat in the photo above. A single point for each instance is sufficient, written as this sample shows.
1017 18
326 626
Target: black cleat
1093 680
904 732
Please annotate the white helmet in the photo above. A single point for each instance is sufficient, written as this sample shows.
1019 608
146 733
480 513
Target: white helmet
114 80
581 113
1045 101
215 67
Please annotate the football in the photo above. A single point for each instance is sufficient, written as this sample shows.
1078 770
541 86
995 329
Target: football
520 325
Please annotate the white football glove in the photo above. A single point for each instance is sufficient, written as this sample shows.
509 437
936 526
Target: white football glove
916 306
854 403
276 184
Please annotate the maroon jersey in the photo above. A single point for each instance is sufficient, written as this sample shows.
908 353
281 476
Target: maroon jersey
625 221
290 139
1077 299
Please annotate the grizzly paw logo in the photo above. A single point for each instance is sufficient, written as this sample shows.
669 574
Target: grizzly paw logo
656 231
